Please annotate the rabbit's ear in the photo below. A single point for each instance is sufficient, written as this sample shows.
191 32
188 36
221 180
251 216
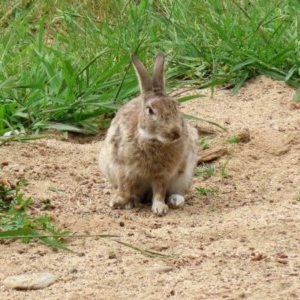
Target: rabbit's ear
158 73
145 81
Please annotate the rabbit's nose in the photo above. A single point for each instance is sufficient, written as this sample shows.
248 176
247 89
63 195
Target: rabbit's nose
175 133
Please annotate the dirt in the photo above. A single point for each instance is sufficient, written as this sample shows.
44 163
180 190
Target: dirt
240 241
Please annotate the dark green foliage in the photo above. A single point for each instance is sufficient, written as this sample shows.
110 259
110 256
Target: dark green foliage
64 65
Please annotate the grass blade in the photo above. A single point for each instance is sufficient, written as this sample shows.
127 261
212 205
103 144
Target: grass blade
142 251
203 120
28 233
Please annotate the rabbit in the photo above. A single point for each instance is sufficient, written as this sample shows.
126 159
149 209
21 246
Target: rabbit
149 148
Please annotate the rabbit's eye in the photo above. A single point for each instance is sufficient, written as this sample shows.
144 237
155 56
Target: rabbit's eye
150 111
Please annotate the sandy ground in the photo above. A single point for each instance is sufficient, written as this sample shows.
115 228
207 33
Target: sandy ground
240 242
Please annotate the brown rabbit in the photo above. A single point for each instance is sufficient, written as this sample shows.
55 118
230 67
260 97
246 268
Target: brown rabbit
149 148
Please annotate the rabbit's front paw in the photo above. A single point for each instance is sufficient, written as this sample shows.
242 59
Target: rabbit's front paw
129 205
134 202
175 201
118 202
159 208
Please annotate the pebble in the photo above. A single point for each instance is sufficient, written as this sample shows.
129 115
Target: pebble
111 254
32 281
162 269
9 133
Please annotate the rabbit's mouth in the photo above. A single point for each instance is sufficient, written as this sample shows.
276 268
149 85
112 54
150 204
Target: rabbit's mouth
166 138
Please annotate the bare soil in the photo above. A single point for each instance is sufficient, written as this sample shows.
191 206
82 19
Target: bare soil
241 241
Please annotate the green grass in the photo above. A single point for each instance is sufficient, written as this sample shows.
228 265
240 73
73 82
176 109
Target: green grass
205 171
65 63
18 221
203 191
203 143
224 169
233 140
